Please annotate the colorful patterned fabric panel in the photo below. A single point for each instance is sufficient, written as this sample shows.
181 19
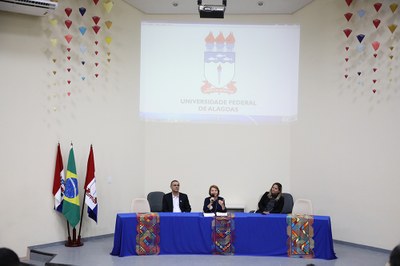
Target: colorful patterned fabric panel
223 229
148 234
301 232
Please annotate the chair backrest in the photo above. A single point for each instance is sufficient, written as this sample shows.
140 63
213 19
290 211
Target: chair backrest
140 205
155 200
288 204
302 207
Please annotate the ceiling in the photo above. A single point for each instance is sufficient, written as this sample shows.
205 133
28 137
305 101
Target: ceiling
168 7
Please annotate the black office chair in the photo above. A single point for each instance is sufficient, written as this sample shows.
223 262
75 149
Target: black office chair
288 204
155 200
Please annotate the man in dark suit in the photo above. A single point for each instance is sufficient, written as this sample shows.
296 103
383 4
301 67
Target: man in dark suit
175 201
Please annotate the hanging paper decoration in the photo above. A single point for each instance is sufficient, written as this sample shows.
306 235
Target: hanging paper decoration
53 22
108 40
375 45
393 7
68 11
360 47
359 73
374 69
108 53
82 48
83 78
96 42
96 52
361 13
96 64
346 59
347 32
108 60
53 42
349 2
392 27
69 58
82 10
69 69
96 75
375 55
54 72
82 30
377 6
360 37
96 29
68 23
54 60
376 22
391 48
68 49
374 81
68 81
348 16
391 57
69 93
108 24
346 48
108 6
83 63
346 76
68 37
373 90
95 1
96 19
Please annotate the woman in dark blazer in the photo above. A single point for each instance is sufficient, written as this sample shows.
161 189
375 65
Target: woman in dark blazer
214 203
272 201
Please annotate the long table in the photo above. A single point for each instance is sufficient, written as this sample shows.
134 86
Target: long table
190 233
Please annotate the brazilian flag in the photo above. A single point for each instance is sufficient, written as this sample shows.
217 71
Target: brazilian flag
71 209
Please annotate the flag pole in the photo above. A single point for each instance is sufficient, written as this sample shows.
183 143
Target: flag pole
69 236
80 224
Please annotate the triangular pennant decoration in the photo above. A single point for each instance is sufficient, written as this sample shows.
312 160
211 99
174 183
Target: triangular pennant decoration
82 30
68 11
108 24
360 37
375 45
108 6
68 38
393 7
82 10
392 27
68 23
96 29
348 16
96 19
376 22
377 6
347 32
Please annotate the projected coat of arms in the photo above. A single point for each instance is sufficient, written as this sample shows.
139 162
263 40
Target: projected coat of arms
219 64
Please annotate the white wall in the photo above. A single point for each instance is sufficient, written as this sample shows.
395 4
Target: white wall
341 153
36 113
345 144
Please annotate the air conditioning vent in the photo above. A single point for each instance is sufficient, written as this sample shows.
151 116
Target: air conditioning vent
29 7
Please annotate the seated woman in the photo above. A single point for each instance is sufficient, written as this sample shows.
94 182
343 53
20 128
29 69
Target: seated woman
214 203
272 200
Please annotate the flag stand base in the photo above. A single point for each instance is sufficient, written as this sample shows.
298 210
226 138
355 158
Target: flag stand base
74 242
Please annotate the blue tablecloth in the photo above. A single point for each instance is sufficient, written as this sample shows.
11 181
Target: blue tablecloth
191 233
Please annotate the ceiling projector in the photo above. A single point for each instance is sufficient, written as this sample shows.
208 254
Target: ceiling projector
211 11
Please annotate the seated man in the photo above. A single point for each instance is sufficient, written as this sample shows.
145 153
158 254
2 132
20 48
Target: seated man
175 201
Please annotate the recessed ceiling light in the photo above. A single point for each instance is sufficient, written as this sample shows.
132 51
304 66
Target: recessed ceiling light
260 3
175 4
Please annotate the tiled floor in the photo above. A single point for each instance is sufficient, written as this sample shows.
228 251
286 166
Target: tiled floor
96 251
